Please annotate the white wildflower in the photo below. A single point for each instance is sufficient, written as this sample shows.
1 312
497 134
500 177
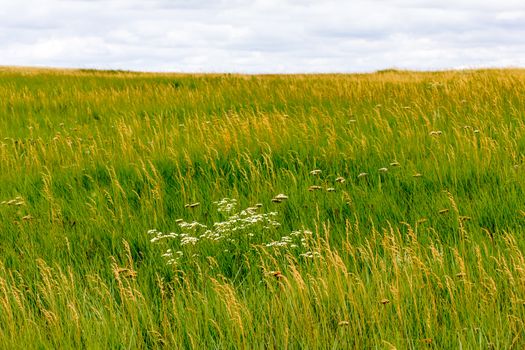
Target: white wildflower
310 255
189 240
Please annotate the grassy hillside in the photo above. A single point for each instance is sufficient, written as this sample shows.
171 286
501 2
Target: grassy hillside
150 211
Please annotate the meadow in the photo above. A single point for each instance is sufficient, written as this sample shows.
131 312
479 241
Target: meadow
378 211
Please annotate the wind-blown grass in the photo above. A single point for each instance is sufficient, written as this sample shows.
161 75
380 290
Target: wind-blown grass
401 227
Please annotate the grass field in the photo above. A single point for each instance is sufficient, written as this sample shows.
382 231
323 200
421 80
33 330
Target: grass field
382 210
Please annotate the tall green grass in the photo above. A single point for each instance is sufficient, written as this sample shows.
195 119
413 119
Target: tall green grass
425 253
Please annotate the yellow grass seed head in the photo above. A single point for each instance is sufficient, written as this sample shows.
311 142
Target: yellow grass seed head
314 188
192 205
277 274
125 272
362 175
315 172
340 180
27 218
281 197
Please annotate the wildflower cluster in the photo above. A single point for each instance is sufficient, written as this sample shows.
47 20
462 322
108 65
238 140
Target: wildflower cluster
239 226
295 239
300 240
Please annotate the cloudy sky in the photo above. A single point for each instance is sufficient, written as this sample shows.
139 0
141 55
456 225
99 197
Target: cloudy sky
263 36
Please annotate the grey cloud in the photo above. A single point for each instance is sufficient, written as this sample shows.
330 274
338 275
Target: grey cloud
262 35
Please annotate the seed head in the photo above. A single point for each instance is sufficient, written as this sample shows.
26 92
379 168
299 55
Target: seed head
281 197
192 205
340 180
315 172
125 272
362 175
277 274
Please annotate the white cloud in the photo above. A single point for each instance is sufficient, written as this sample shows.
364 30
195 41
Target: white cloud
262 35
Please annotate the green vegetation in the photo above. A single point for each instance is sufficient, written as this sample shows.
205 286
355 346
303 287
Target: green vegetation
411 236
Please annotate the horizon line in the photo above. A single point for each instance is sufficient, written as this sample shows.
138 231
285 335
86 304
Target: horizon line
393 69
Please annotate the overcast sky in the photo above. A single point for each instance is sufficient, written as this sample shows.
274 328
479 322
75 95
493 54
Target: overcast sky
263 36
